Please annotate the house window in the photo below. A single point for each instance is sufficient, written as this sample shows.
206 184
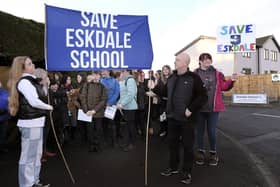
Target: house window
274 56
246 71
246 55
266 54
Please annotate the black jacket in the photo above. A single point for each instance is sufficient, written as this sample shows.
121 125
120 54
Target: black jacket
191 91
26 111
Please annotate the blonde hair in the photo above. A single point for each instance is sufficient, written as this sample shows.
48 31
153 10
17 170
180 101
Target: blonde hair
40 73
14 76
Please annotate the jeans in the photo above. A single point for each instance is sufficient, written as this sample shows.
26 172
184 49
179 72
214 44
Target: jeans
210 120
30 157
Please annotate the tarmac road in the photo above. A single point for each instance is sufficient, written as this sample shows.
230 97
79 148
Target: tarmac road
257 129
114 168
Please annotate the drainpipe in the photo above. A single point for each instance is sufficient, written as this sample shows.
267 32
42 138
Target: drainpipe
258 60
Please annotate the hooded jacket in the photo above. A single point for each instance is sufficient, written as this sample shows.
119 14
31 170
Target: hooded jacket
221 85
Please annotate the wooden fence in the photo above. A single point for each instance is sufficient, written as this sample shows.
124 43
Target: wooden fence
256 84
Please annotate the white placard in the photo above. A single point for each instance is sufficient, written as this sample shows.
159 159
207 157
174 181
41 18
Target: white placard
83 116
250 98
110 112
162 117
236 38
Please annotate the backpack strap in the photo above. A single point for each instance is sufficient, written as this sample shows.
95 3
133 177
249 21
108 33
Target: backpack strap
125 83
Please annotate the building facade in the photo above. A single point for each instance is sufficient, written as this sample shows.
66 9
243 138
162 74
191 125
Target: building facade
264 60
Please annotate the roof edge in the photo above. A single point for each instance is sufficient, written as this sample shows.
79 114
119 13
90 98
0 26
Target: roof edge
201 37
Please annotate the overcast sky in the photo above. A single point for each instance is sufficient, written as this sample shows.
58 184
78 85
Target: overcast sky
173 24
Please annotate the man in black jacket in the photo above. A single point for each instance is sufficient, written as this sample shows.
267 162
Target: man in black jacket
186 94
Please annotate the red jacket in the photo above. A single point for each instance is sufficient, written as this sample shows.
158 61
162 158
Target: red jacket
221 85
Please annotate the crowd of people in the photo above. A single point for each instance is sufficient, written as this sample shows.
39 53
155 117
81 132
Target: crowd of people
183 103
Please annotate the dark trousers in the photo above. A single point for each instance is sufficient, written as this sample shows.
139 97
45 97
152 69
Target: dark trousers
181 132
130 127
94 131
117 121
82 130
3 134
46 131
163 126
58 123
109 130
141 119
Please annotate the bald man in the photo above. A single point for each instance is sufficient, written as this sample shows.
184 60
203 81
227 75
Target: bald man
186 94
182 62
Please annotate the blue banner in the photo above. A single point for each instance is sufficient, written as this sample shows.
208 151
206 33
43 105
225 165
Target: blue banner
83 41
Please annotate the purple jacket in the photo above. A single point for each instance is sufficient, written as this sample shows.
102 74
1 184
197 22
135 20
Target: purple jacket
221 85
4 110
